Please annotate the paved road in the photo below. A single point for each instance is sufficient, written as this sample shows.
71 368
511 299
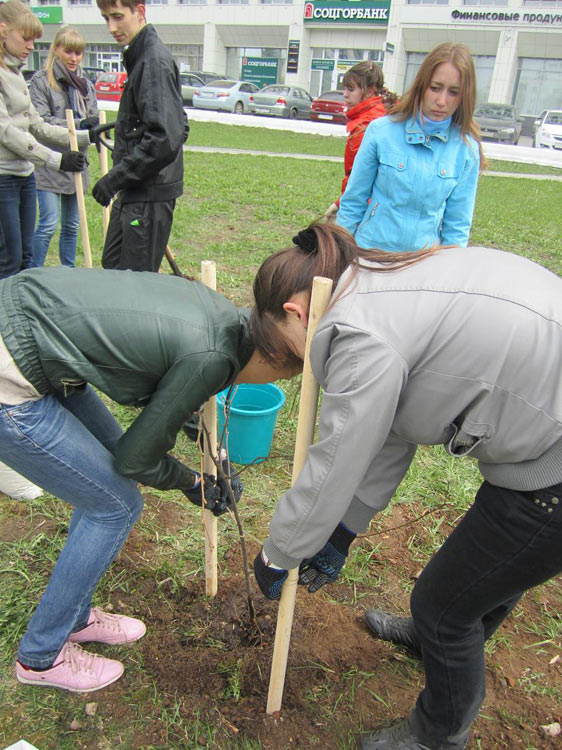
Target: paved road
523 153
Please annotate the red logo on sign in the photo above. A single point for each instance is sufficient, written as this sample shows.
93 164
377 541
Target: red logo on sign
308 10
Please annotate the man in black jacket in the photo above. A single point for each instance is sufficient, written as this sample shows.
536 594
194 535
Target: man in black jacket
150 131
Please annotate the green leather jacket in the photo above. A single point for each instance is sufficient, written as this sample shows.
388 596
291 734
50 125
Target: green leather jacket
144 339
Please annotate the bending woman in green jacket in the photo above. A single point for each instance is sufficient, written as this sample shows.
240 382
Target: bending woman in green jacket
143 339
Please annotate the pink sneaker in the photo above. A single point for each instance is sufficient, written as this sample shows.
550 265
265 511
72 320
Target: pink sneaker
75 670
112 629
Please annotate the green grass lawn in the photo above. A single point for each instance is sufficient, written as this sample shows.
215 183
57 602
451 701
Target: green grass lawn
237 209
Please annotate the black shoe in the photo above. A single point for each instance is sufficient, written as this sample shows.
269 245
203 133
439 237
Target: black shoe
401 736
399 630
396 737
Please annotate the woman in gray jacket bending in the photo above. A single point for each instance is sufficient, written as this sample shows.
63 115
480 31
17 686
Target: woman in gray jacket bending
453 346
21 129
57 88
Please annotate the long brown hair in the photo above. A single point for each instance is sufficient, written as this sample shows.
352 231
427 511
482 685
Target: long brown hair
323 249
458 55
16 15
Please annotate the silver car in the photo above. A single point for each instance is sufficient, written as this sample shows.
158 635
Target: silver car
189 82
228 96
498 122
283 101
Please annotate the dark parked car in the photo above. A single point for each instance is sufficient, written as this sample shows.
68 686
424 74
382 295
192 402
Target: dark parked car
329 107
205 76
283 101
92 73
498 122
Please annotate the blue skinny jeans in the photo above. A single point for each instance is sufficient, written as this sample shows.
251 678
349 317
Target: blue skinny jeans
52 207
508 542
17 222
66 445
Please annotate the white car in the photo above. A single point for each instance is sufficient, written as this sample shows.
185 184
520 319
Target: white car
548 133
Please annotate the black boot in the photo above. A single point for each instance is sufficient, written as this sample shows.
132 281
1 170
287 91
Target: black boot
399 630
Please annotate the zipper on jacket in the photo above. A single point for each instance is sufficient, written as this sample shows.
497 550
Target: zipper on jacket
72 385
370 215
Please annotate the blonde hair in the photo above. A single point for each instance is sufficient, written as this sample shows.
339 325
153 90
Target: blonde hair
458 55
68 38
18 16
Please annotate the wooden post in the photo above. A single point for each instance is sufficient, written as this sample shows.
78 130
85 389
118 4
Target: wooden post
104 170
79 193
209 278
321 292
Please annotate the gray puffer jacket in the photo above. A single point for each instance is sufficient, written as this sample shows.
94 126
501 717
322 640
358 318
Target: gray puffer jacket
21 128
51 105
463 349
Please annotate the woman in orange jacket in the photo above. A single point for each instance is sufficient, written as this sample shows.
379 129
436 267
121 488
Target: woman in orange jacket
366 99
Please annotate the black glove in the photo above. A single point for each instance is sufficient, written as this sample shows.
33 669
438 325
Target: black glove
213 496
88 123
270 580
72 161
325 566
235 482
103 191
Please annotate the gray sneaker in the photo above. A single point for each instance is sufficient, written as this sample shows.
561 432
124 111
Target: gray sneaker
401 736
399 630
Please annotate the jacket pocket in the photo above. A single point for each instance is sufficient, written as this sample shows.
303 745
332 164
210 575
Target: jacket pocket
394 177
447 178
462 443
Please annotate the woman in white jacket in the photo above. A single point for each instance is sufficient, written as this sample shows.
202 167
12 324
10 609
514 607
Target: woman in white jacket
21 130
454 346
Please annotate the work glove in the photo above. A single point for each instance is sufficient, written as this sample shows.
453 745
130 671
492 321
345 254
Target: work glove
325 566
72 161
235 482
270 579
331 212
103 191
214 500
89 123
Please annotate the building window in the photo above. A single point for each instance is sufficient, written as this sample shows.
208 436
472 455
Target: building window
187 56
537 85
193 2
276 2
81 2
232 2
485 2
156 2
428 2
544 3
49 2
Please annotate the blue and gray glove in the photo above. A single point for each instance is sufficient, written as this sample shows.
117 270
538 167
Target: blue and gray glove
326 564
269 577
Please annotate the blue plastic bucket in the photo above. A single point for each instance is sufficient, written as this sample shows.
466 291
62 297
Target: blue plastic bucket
253 414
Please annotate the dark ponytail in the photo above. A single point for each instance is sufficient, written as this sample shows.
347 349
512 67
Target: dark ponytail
322 249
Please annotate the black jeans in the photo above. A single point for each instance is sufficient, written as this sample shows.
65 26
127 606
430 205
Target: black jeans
508 542
137 235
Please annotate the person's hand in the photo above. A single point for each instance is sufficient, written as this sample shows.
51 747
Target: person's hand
236 483
331 212
103 191
214 500
325 566
88 123
270 578
72 161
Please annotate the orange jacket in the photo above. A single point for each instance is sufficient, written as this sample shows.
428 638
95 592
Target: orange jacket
358 118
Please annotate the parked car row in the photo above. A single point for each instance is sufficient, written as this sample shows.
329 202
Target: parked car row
548 129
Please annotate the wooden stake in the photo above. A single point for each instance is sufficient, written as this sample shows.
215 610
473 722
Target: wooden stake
209 278
104 170
79 193
321 292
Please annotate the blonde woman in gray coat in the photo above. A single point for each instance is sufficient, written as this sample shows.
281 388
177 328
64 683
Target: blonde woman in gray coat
22 134
59 87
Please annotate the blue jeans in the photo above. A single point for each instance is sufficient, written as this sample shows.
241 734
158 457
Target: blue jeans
66 446
17 222
53 206
508 542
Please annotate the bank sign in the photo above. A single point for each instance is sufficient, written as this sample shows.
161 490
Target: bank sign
48 14
347 11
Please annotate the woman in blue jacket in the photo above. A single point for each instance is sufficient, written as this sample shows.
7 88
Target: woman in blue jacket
414 179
